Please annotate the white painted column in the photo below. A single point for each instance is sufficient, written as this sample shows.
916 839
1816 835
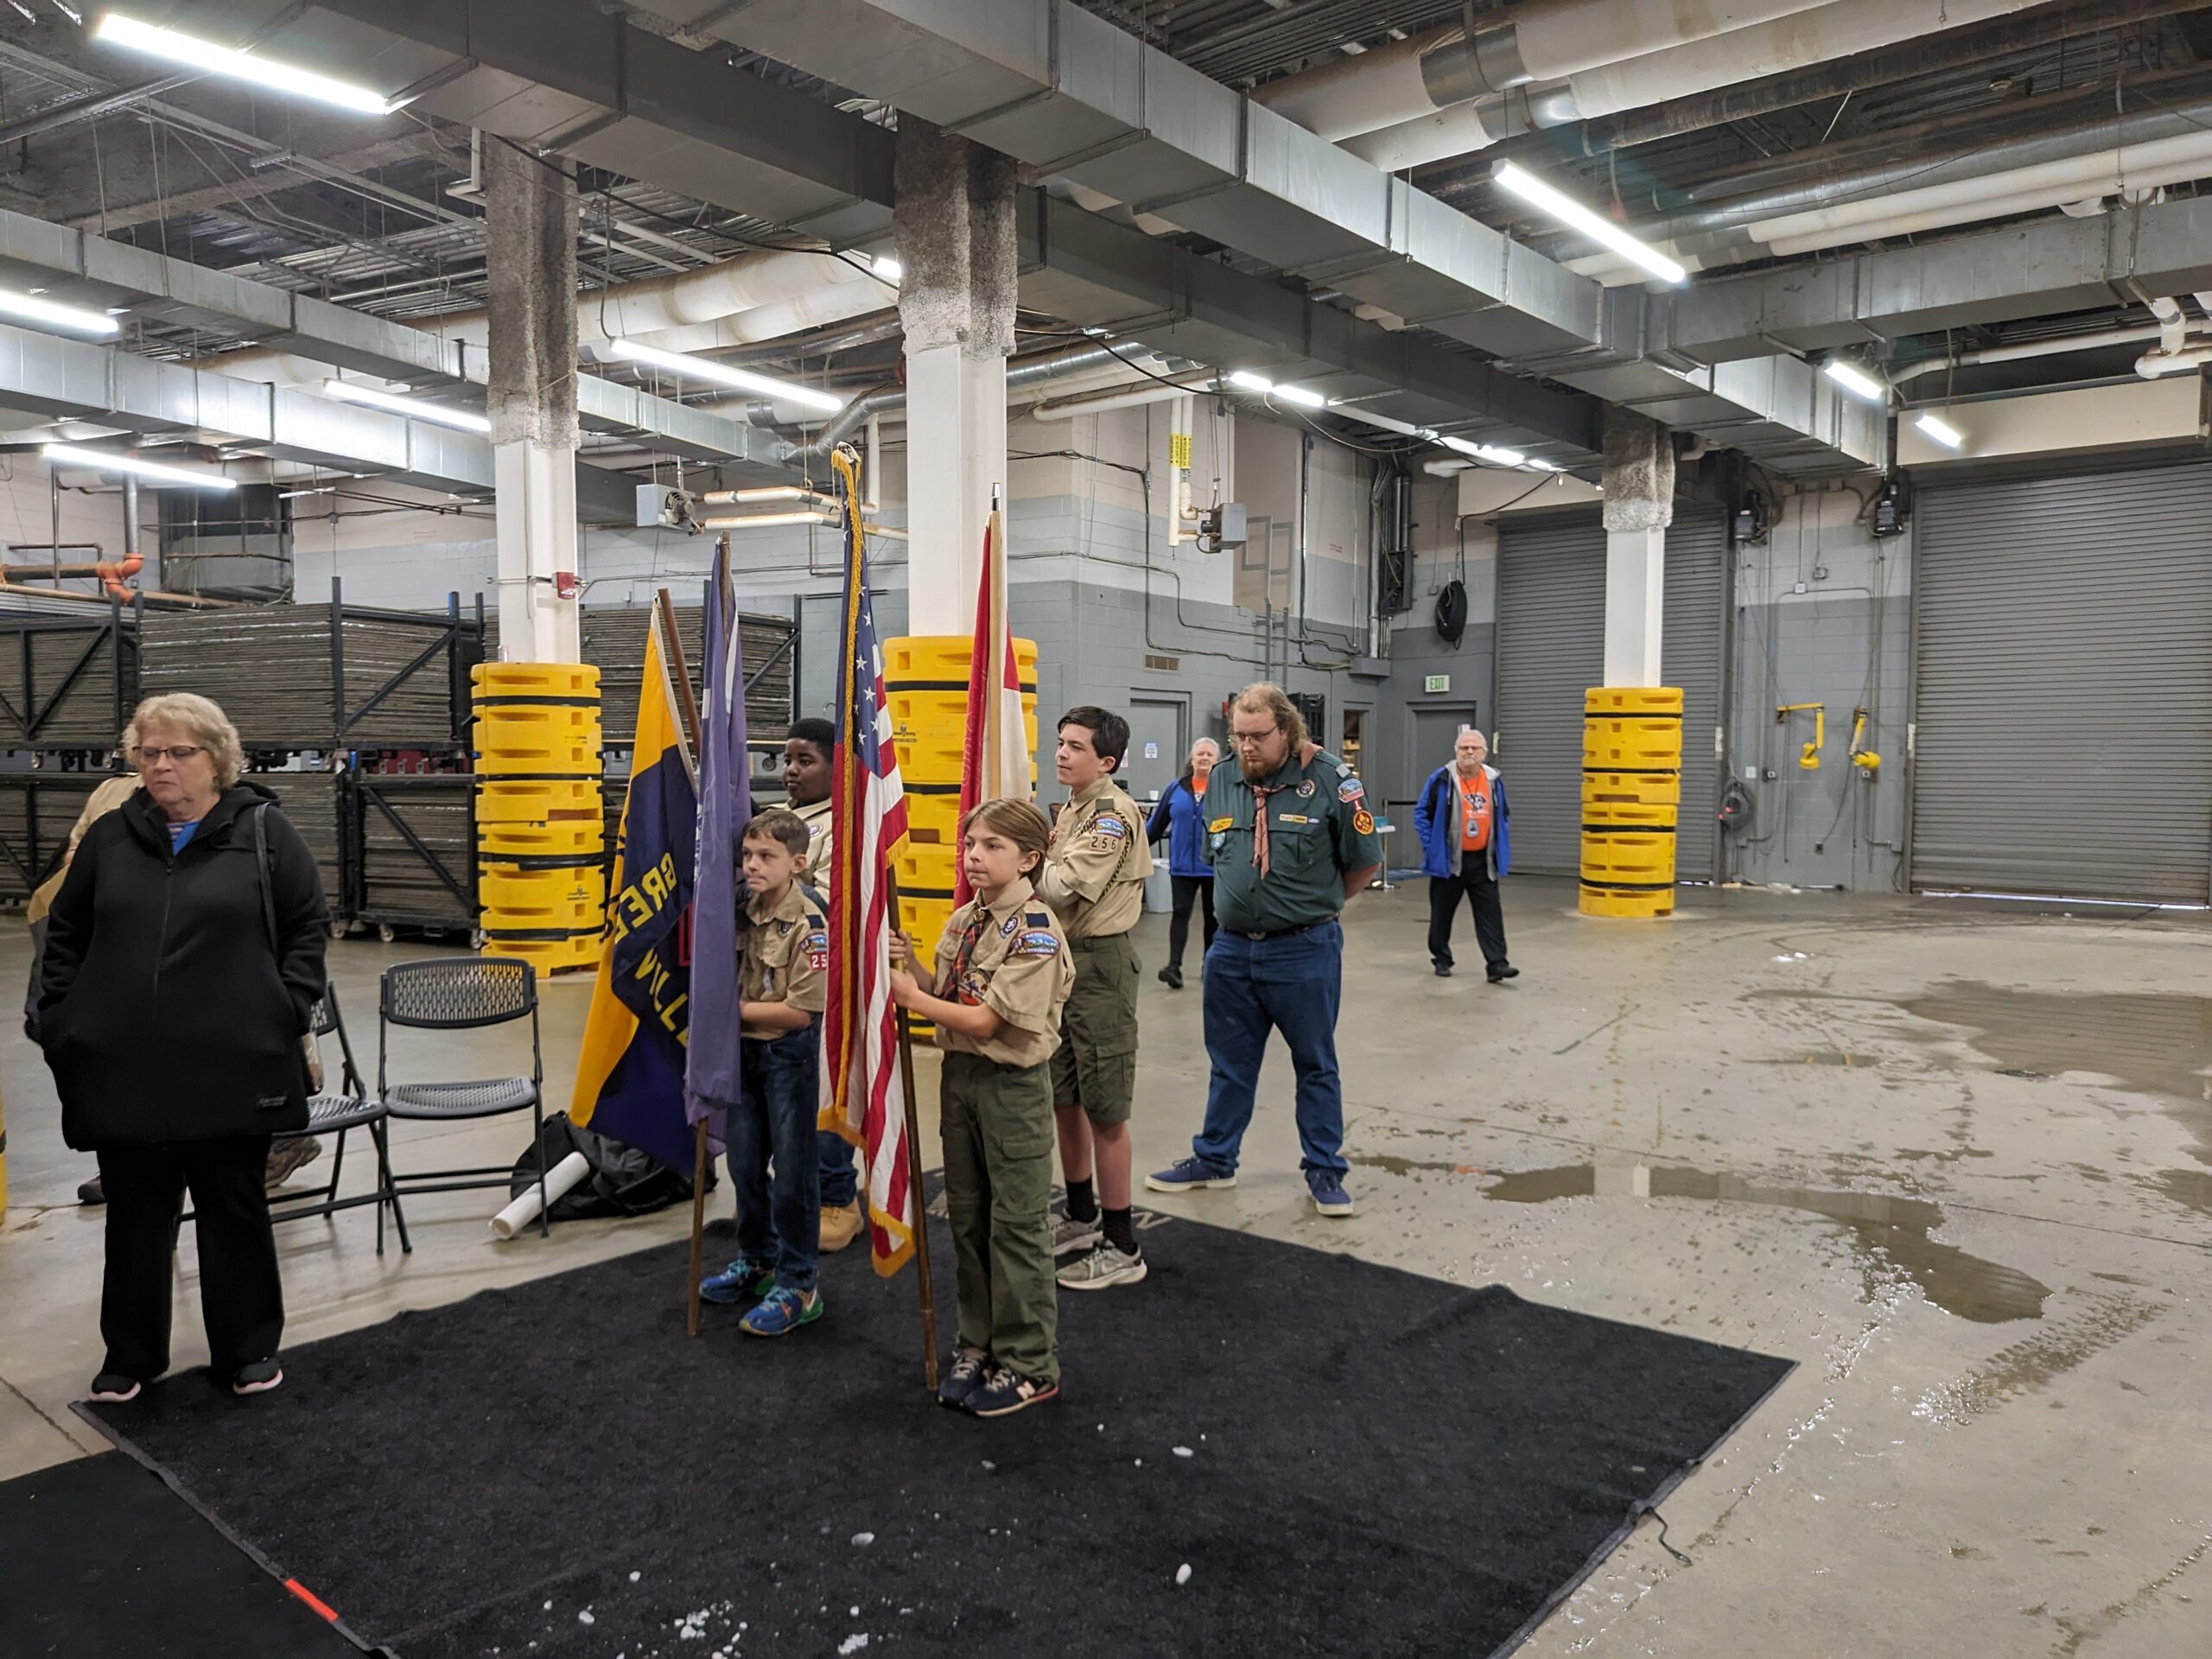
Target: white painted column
530 213
1639 507
945 507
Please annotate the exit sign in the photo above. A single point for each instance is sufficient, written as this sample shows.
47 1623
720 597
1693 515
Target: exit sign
1436 682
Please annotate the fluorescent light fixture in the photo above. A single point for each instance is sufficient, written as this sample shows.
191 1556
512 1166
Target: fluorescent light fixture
436 414
1942 432
265 73
763 520
31 308
1540 465
1573 214
1855 380
766 493
294 495
1266 388
1489 452
721 374
887 268
78 454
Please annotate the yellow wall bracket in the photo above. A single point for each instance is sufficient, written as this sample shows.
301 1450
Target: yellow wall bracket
1809 757
1860 755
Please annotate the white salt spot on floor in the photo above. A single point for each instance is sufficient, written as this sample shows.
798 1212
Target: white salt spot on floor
1183 1573
853 1642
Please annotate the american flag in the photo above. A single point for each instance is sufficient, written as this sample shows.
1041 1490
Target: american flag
861 1096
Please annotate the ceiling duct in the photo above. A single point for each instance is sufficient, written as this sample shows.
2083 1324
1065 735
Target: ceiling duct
1546 40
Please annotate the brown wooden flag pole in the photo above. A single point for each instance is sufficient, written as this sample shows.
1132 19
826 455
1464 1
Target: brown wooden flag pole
681 672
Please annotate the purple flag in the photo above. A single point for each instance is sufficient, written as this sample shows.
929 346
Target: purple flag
710 1075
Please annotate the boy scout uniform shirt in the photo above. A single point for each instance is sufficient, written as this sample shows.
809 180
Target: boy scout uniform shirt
784 956
1011 957
1319 828
1095 867
816 817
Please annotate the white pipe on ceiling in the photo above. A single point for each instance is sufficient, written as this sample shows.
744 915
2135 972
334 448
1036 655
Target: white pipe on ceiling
1547 40
1703 65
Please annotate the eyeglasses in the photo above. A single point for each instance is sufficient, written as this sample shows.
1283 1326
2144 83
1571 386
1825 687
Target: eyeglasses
179 752
1252 740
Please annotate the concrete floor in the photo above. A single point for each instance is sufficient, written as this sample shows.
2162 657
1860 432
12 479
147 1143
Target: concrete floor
1955 1160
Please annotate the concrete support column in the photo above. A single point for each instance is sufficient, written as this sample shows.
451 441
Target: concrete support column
531 218
955 232
1639 507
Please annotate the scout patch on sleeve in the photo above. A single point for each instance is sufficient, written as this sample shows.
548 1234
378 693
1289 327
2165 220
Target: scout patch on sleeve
1037 945
1219 825
817 950
1364 822
1350 790
1110 829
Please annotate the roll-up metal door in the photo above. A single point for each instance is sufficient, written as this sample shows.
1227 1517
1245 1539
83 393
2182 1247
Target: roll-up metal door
2062 697
1551 648
1691 651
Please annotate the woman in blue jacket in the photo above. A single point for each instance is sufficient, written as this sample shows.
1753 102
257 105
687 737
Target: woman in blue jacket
1466 847
1180 819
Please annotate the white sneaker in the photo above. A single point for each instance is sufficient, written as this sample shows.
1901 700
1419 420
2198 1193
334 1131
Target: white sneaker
1103 1268
1071 1235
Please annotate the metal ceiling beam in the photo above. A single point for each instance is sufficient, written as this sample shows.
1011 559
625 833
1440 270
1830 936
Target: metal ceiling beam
2040 269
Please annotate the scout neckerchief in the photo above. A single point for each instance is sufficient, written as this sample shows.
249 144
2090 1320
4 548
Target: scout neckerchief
1260 851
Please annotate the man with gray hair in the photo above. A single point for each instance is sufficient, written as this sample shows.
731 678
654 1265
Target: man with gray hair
1290 838
1462 820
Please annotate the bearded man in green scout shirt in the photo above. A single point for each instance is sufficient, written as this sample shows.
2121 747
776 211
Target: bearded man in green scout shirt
1291 838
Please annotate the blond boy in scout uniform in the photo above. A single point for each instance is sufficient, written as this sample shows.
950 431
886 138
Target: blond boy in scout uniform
1093 877
1001 975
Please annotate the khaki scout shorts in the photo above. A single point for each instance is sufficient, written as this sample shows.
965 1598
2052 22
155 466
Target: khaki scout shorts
1096 1064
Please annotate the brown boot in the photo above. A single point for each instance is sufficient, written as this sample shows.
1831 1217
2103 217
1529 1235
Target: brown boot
841 1225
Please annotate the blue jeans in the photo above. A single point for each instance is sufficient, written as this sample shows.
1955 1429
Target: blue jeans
840 1180
778 1222
1291 984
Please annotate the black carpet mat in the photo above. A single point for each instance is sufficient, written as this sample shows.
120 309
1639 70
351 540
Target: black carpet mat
99 1559
1349 1459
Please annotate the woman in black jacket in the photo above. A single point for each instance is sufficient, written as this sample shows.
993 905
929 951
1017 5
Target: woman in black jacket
184 958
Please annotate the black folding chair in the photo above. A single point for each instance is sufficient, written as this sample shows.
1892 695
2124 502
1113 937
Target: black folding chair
463 994
349 1108
338 1114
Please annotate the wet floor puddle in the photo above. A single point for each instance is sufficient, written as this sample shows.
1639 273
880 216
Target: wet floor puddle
2154 1043
1887 1230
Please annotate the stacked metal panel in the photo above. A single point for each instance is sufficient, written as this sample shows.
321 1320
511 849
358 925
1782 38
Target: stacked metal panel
399 884
312 801
274 670
71 663
613 641
36 810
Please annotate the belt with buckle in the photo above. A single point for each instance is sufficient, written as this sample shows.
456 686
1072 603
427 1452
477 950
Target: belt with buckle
1284 932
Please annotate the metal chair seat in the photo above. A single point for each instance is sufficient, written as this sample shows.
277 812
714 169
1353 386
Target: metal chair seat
327 1114
483 1098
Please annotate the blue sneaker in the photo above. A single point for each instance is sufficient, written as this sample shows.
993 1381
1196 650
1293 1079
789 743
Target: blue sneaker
1188 1174
740 1282
969 1366
782 1311
1328 1190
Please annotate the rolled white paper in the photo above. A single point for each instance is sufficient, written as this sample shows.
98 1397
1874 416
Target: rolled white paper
569 1172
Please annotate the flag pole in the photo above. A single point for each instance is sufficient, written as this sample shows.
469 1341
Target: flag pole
690 706
922 1281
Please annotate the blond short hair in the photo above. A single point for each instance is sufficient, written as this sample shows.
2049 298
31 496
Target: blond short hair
198 717
1266 697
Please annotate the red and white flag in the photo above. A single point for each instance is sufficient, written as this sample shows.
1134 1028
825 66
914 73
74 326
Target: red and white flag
994 760
861 1096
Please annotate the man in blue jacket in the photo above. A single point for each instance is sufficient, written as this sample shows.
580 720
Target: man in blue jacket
1462 822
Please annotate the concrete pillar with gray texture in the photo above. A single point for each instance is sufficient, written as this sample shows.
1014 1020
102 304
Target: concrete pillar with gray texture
530 213
1639 507
954 233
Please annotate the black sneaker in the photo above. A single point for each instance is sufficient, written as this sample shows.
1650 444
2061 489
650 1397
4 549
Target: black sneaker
1443 969
1504 970
258 1377
1005 1392
92 1192
1172 978
966 1376
112 1388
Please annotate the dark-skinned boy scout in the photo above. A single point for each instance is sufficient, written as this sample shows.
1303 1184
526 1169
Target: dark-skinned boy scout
1290 838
